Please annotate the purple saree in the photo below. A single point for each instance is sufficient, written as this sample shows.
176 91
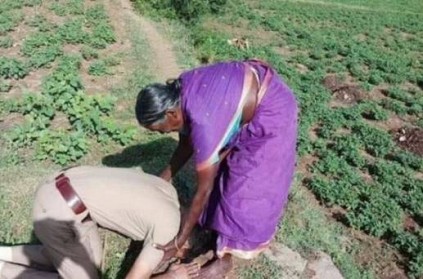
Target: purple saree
253 181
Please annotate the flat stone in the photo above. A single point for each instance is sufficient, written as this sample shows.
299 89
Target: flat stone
291 263
322 267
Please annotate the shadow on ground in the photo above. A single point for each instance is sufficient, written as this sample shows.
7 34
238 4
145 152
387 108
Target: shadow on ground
153 157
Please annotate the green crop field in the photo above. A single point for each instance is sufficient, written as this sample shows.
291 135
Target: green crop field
355 66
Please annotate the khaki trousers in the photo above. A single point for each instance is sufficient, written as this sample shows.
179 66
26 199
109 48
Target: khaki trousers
71 248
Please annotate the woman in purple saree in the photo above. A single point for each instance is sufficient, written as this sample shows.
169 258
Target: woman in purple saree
239 120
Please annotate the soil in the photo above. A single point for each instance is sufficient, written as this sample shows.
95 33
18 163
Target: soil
410 224
11 120
345 93
304 164
410 139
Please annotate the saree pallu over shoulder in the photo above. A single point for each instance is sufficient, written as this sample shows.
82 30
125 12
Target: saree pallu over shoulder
212 101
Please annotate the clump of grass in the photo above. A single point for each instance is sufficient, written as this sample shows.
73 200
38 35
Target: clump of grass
89 53
98 68
5 86
6 42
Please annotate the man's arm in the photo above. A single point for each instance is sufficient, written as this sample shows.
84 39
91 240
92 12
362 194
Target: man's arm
139 270
181 155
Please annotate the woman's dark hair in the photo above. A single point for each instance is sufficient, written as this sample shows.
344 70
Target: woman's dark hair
155 99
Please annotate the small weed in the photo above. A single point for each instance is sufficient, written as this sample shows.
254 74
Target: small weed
98 68
5 86
89 53
6 42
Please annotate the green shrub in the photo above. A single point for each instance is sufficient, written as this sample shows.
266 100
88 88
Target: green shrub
6 42
44 56
371 110
5 86
13 68
98 68
95 14
61 147
377 216
102 35
71 32
88 53
377 142
186 10
394 105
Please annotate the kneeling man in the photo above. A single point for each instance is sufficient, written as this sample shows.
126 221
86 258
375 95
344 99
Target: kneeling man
70 205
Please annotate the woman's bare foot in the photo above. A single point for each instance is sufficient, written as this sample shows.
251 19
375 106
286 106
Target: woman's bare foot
184 271
218 269
204 258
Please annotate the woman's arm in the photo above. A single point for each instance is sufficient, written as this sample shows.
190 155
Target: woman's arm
181 155
205 182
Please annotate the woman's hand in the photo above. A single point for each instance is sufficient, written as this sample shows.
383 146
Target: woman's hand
166 174
171 249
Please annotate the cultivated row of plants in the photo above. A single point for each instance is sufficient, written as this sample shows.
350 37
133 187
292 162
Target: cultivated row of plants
62 121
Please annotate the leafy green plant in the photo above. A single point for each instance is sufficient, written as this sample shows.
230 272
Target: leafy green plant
9 20
377 216
42 48
13 68
112 60
71 32
68 7
183 9
41 23
102 35
61 147
37 107
38 40
98 68
348 147
45 56
89 53
25 135
5 86
377 142
6 42
412 246
395 106
95 14
371 110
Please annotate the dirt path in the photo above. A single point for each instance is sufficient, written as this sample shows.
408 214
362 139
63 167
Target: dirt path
164 65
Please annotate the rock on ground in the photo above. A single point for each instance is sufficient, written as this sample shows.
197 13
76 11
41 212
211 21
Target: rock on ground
293 266
322 267
291 263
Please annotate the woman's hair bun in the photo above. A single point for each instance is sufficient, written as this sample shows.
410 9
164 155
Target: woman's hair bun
174 85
